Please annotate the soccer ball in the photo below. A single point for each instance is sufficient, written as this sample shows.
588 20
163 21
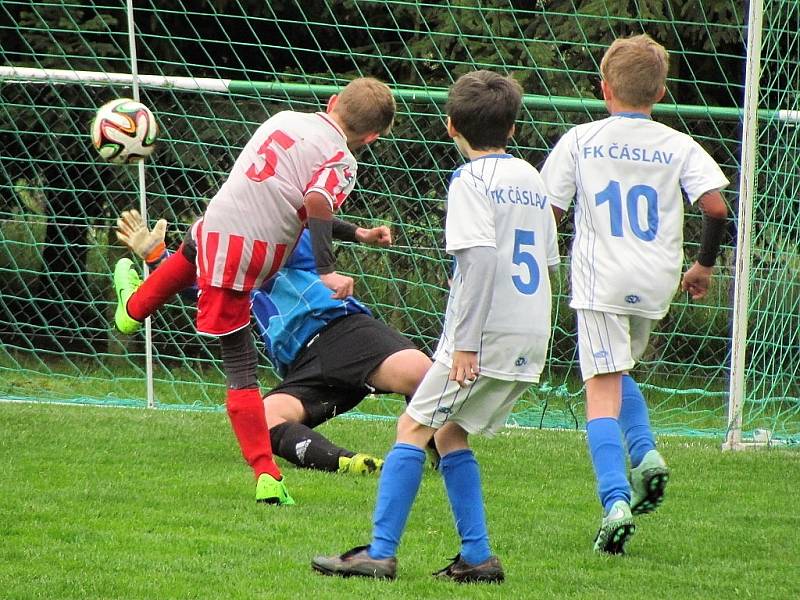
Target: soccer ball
124 131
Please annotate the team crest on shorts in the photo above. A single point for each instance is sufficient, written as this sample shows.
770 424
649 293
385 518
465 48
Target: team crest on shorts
632 299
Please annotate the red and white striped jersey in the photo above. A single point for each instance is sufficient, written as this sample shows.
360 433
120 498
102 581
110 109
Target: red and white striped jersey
253 222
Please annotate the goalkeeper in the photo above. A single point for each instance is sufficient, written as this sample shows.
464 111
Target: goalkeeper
328 363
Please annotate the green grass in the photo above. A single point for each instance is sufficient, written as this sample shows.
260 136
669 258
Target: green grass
679 404
130 503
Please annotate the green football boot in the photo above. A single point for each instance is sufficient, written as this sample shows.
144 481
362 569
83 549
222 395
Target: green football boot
648 482
272 491
360 464
616 529
126 282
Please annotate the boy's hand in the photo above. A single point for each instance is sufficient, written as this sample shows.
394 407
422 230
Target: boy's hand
377 236
342 285
696 280
465 368
132 231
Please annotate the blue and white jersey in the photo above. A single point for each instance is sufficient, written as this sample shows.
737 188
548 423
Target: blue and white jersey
293 305
628 176
500 201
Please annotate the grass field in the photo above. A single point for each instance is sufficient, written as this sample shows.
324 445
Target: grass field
130 503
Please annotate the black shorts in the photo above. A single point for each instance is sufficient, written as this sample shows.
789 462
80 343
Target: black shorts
330 374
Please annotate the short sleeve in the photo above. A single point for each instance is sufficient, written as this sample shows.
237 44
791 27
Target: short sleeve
335 180
470 215
700 173
553 257
558 172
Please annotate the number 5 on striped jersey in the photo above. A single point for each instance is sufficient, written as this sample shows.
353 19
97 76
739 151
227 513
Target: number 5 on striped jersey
270 158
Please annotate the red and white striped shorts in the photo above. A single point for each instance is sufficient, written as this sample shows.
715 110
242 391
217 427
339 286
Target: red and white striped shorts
229 267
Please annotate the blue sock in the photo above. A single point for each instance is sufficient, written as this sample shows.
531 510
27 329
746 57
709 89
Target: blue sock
608 458
463 482
634 421
397 488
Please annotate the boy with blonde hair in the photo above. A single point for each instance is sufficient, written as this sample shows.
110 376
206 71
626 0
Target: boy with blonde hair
628 176
294 172
501 230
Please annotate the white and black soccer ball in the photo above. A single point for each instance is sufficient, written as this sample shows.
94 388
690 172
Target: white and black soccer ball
124 131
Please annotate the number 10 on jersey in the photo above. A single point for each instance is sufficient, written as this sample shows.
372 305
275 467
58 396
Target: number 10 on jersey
613 195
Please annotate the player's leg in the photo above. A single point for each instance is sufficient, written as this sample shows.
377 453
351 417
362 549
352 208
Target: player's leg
397 489
292 412
400 372
137 299
462 480
398 485
635 421
359 351
484 409
604 351
225 314
334 373
436 399
649 473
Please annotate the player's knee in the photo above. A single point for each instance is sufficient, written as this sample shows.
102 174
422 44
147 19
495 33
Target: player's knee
450 438
416 368
411 432
281 408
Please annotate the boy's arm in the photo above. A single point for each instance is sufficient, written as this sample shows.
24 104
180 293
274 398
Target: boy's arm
715 215
558 173
320 224
477 267
558 213
349 232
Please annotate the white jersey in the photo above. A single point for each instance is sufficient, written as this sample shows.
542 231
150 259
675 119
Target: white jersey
254 220
628 176
500 201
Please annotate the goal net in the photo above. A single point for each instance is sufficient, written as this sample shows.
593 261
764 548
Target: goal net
212 71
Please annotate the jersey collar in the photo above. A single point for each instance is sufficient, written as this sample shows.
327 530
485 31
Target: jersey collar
502 155
332 123
632 115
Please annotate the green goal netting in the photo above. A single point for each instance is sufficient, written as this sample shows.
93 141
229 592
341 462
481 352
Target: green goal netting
212 71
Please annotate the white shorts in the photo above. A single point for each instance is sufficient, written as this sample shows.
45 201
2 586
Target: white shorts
482 407
610 343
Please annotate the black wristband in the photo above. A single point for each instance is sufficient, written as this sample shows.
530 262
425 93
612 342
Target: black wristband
711 240
344 230
322 244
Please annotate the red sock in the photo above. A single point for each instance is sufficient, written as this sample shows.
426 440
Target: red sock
246 412
172 276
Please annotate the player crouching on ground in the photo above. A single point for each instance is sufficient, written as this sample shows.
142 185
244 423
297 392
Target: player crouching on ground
329 353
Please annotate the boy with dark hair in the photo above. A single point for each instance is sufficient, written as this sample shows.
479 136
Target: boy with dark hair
295 171
501 230
628 176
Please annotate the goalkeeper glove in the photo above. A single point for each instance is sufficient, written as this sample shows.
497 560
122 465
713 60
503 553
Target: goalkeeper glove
148 245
